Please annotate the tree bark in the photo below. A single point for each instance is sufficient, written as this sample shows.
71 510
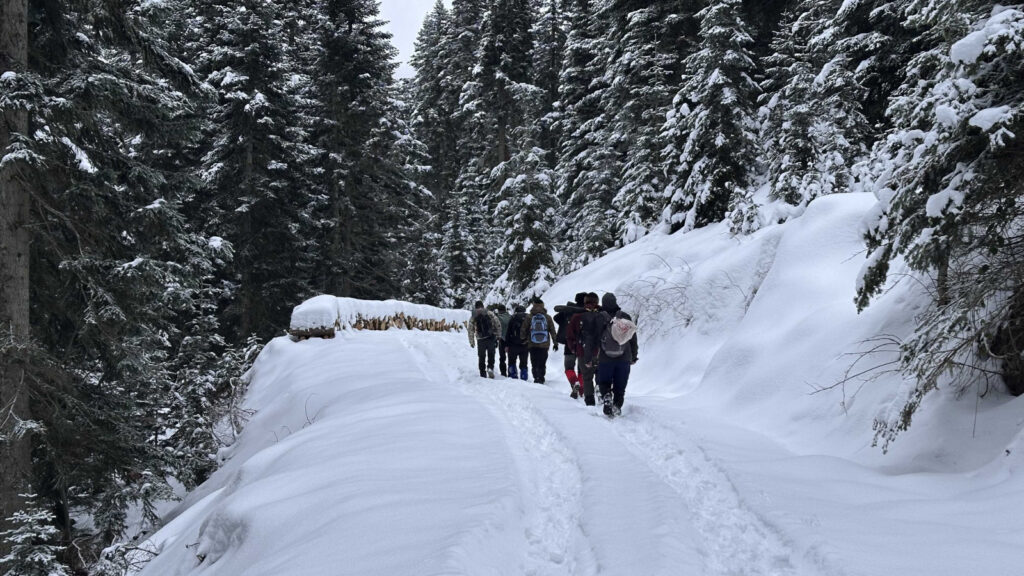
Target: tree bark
15 453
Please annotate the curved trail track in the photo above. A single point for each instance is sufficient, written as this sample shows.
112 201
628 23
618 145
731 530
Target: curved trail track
585 479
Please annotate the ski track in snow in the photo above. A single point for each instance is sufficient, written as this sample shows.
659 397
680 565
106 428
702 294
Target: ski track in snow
736 540
556 542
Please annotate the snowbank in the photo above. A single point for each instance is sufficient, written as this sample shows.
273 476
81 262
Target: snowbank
385 453
322 315
763 330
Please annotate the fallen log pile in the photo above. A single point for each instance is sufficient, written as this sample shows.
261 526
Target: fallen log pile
322 316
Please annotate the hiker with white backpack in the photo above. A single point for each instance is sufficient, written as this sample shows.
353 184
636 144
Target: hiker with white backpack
609 342
538 332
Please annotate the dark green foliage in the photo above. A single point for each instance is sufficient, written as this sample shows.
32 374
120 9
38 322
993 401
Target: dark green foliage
713 148
951 209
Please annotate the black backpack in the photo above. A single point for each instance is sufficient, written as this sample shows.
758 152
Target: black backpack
483 326
514 326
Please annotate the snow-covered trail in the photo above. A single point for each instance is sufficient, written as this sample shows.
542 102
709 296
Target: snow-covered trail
606 496
385 453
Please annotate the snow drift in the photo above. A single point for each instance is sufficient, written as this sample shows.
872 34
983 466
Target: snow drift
739 450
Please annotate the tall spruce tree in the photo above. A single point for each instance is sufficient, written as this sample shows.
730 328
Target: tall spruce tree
494 104
525 214
548 53
15 99
116 269
648 40
713 151
588 165
250 198
434 103
813 129
353 88
948 180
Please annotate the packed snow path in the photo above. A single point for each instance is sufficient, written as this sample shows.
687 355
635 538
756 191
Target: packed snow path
385 453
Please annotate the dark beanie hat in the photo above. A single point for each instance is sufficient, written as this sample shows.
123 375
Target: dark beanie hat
608 301
591 298
580 296
478 304
501 308
520 308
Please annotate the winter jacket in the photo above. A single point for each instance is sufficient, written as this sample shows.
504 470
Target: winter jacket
592 329
524 330
562 316
574 333
495 325
504 318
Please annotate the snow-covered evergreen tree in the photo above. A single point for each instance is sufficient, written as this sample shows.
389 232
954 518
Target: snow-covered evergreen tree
118 271
525 215
713 148
33 543
588 166
947 179
252 200
648 41
433 101
813 130
548 53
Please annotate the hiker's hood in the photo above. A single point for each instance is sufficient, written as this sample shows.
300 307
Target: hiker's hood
609 303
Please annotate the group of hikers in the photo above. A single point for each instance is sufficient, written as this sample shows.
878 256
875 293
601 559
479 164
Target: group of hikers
598 337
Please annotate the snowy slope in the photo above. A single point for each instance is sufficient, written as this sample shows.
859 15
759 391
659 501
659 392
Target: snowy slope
384 453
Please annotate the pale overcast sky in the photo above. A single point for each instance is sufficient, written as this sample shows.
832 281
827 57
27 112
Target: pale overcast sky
405 18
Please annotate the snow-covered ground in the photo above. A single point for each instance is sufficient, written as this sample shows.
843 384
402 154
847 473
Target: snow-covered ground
384 452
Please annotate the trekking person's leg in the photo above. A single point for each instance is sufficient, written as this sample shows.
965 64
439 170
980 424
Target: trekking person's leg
570 370
604 374
621 379
535 364
491 344
587 375
501 358
542 371
511 363
519 355
481 355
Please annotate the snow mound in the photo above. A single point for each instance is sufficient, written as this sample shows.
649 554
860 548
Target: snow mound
763 330
327 313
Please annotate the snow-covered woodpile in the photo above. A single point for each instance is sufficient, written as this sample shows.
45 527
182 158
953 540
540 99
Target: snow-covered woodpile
321 316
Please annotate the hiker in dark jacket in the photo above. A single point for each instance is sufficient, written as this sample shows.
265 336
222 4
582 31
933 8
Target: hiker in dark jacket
538 332
503 317
574 341
612 372
562 316
484 328
514 344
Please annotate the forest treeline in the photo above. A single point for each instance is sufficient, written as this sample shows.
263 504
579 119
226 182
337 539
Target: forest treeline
175 175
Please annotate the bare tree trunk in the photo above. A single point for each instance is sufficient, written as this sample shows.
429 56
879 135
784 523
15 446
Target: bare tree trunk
15 453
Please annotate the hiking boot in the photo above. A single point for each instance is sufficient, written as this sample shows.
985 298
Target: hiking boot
609 407
575 392
589 401
483 374
523 374
616 410
490 374
608 411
